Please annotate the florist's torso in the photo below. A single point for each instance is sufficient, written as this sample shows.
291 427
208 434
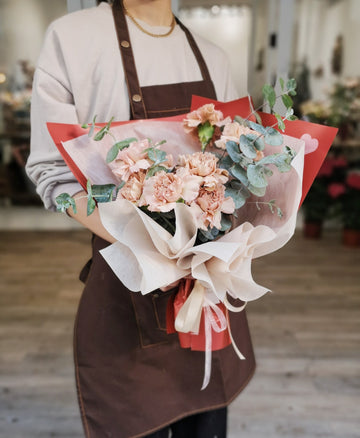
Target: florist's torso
132 377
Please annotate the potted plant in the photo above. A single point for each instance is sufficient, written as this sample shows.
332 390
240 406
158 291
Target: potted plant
349 207
315 208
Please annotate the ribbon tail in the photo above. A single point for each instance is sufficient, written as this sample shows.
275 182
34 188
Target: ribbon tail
237 351
208 342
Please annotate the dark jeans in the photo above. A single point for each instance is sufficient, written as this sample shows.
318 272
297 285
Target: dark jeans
211 424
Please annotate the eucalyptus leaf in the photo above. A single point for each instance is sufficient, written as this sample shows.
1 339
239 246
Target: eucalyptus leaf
282 83
119 187
214 231
152 154
225 222
103 131
233 150
100 134
155 169
273 137
205 235
256 175
291 86
289 113
257 140
239 173
257 191
103 192
257 127
225 162
240 120
237 196
118 146
281 124
258 118
65 201
91 204
287 101
269 95
88 187
246 147
282 161
112 153
92 127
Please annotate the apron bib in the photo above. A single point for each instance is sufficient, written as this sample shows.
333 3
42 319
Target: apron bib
132 377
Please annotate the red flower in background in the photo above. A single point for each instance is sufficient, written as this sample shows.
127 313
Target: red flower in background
339 162
336 189
353 180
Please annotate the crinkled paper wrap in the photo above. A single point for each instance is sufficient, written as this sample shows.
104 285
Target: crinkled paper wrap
146 256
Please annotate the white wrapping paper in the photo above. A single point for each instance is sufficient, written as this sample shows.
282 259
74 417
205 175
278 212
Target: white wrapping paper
146 257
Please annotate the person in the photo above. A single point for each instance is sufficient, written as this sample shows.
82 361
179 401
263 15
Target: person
131 60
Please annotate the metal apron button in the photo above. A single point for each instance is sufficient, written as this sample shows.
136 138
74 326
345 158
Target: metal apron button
136 98
125 44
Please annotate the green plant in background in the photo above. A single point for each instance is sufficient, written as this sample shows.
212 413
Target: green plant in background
346 197
317 202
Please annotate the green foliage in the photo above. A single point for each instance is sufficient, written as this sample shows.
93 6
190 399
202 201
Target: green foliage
269 95
237 196
103 131
205 133
257 176
117 147
317 202
225 222
273 137
247 146
281 160
98 193
233 150
65 201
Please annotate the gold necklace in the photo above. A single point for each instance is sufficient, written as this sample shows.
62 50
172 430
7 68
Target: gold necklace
155 35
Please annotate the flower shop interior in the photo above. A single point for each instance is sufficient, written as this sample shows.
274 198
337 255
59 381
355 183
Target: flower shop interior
305 332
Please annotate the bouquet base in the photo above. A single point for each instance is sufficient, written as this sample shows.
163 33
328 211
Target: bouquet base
196 342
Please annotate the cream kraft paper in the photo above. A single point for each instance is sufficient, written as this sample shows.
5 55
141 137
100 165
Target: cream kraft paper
147 257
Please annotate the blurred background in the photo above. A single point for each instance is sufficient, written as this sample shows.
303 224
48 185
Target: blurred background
306 334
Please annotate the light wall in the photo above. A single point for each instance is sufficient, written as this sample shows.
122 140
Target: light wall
229 28
319 24
22 27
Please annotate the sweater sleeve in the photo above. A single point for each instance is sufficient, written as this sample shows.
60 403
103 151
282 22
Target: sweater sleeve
52 101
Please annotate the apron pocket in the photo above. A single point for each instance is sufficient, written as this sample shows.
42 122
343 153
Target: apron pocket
150 313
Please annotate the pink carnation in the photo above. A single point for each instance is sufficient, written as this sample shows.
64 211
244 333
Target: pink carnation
132 190
131 160
205 113
199 163
336 189
163 190
209 205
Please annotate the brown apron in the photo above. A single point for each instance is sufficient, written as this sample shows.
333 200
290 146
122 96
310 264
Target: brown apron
132 377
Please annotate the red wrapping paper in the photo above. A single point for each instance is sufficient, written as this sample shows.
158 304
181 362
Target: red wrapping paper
190 340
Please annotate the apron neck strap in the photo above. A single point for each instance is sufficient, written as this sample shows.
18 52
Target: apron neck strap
138 110
137 105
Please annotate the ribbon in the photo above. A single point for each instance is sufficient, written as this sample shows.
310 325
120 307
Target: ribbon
189 316
218 325
188 321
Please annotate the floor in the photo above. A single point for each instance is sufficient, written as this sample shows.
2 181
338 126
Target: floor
306 337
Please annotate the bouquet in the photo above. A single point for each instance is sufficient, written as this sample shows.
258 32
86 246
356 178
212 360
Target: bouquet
222 189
